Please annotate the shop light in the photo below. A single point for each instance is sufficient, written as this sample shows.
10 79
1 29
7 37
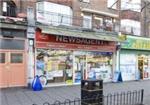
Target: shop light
82 14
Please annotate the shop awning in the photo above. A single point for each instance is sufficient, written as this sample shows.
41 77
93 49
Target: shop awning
107 36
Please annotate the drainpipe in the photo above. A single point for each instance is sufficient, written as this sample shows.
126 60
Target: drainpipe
1 7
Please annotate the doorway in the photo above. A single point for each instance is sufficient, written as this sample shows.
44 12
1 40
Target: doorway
12 69
80 68
140 66
143 66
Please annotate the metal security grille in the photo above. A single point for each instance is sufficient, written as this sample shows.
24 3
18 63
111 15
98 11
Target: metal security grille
124 98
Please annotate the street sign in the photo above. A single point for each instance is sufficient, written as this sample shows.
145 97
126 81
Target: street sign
31 32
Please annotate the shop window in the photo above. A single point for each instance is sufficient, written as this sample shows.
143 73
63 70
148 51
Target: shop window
16 58
2 57
9 9
128 67
12 44
66 66
56 65
143 66
99 66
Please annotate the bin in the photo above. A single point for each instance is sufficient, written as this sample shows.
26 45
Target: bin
92 92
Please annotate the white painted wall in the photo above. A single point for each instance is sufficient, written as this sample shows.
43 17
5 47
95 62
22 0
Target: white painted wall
55 14
131 26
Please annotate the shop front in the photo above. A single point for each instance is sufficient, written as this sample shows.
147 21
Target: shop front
12 57
135 58
68 59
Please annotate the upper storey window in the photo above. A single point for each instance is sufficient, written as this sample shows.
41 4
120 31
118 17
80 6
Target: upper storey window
9 8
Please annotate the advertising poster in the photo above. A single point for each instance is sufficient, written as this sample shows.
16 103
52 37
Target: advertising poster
78 77
128 66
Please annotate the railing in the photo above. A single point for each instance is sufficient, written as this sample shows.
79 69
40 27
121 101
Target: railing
14 12
124 98
13 15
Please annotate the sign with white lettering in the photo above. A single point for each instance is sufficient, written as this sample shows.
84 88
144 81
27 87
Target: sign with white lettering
69 39
74 43
31 32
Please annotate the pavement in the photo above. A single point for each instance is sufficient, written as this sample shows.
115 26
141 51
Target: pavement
25 96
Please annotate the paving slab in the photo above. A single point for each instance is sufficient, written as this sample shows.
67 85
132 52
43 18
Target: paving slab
25 96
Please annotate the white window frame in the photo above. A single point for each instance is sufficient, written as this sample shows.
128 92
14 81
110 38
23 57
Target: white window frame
87 21
4 6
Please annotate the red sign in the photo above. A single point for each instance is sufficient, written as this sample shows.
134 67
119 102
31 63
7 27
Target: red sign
74 46
67 42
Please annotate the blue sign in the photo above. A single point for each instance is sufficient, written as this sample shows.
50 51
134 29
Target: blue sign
117 77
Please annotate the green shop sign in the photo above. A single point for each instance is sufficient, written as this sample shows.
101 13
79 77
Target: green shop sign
138 43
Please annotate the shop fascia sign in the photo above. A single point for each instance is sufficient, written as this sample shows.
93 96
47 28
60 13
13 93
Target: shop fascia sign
75 40
138 43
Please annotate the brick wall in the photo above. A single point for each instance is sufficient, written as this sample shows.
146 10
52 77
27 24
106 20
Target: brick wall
145 20
127 14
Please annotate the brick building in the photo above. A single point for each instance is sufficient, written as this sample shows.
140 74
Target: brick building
65 40
67 32
78 33
145 18
14 47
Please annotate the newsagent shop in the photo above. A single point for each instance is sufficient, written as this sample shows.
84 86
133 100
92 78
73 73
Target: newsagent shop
68 59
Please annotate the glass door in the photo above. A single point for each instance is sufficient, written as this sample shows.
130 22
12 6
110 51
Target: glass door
140 66
79 67
143 66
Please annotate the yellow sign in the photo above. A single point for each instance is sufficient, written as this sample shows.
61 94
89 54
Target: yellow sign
139 43
122 37
69 82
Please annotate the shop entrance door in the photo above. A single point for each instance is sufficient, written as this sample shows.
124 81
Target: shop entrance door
140 66
80 68
12 69
143 66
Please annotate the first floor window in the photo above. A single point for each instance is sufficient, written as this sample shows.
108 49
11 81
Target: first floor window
87 21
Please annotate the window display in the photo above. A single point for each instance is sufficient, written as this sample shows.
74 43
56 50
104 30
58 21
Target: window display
55 64
143 66
67 66
128 66
79 66
99 66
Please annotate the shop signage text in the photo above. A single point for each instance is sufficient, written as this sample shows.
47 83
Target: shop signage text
75 47
67 39
136 43
71 40
74 43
